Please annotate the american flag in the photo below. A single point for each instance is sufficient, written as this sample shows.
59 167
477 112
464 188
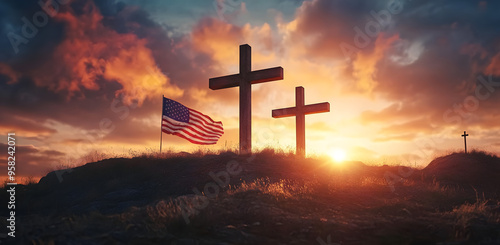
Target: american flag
189 124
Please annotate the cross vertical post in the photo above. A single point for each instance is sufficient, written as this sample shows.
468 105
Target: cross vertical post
245 99
300 122
465 140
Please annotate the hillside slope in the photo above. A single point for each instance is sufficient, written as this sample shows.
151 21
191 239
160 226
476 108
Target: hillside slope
475 169
265 198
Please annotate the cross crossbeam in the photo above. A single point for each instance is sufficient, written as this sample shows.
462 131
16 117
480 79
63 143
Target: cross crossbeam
260 76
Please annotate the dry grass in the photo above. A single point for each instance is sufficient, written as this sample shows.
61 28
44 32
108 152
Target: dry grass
28 181
280 189
472 221
278 198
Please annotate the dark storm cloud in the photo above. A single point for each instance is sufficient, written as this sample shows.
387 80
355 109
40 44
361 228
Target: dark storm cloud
323 25
478 17
440 55
39 87
459 39
174 61
32 106
173 55
13 18
443 72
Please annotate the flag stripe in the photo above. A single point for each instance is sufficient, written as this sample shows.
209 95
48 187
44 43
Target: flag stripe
191 129
202 118
189 139
187 136
181 126
205 116
189 124
197 123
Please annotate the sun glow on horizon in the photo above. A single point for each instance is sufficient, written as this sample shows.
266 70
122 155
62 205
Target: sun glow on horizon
338 155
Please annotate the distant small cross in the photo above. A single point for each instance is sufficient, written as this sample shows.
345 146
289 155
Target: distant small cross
465 140
299 111
244 80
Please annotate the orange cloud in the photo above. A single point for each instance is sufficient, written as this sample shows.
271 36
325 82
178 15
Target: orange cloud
221 39
494 66
7 71
26 126
417 126
92 51
365 66
213 36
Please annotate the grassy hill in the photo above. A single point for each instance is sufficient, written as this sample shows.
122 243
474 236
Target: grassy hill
476 170
264 198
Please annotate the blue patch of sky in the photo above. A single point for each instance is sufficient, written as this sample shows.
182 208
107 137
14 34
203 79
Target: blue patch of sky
179 16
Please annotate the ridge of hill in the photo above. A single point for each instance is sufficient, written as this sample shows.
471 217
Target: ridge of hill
476 169
264 198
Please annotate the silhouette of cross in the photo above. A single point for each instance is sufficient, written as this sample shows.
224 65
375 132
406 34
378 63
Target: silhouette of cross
299 111
465 140
244 81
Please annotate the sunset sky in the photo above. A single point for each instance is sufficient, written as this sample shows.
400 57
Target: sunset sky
404 78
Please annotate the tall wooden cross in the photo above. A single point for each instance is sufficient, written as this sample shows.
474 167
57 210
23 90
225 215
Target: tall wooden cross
299 111
465 140
244 81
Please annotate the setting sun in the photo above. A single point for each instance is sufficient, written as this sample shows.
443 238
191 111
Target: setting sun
338 155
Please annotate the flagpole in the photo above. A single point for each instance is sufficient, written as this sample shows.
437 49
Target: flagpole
161 123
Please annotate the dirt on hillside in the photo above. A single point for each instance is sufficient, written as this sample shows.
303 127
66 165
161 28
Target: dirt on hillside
264 198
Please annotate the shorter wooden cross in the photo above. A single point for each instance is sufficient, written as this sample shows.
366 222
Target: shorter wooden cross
299 111
465 140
